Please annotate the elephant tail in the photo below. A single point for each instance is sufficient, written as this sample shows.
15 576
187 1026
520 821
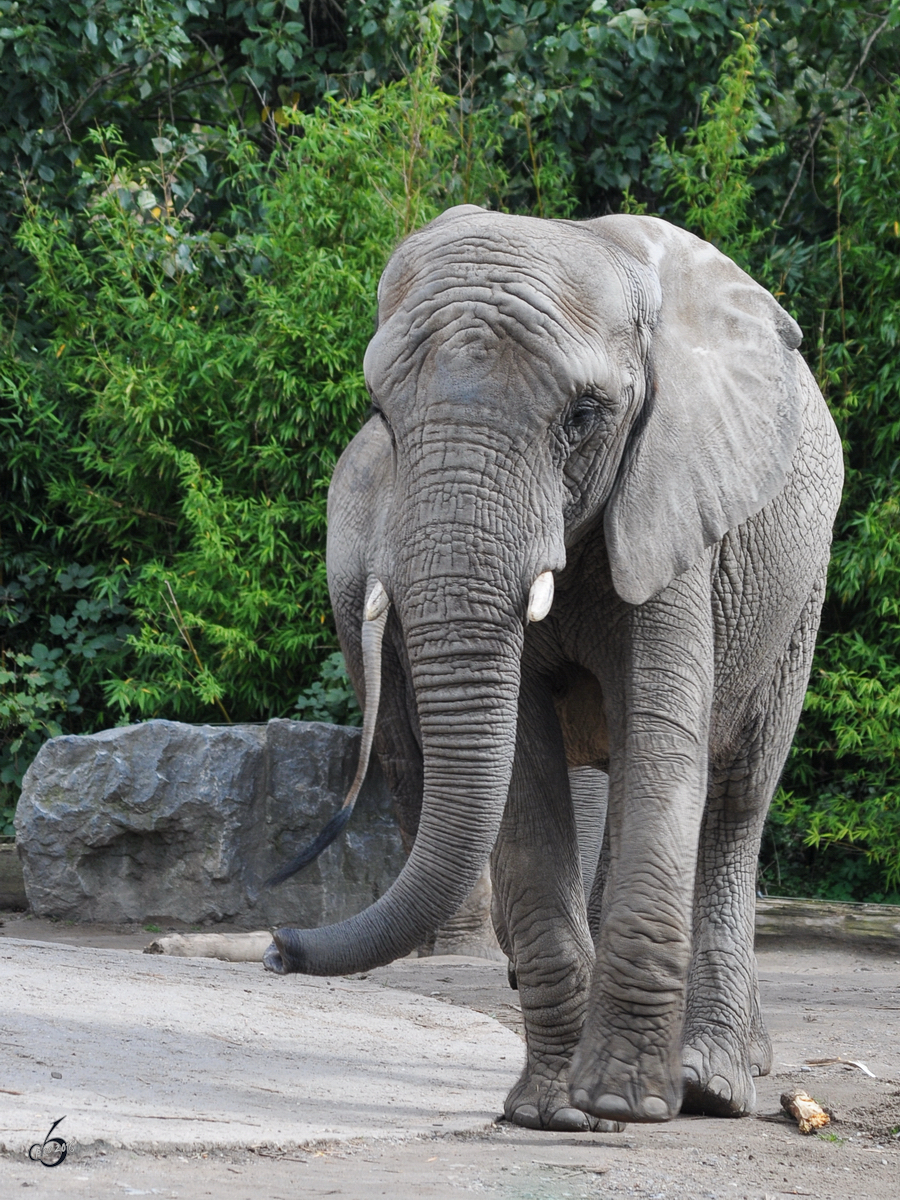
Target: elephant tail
376 613
315 847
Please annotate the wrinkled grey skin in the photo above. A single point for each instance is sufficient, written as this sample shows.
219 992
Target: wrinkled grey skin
616 402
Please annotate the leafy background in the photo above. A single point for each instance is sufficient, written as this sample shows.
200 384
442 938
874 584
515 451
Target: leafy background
196 200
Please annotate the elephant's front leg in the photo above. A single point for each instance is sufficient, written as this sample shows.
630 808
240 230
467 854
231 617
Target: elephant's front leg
539 892
725 1039
628 1063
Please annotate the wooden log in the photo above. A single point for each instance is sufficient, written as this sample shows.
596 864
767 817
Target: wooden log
874 925
229 947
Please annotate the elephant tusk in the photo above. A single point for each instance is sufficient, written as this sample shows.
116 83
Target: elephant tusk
540 598
377 602
372 637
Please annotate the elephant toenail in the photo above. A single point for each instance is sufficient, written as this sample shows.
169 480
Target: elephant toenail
653 1108
526 1115
581 1099
614 1108
568 1119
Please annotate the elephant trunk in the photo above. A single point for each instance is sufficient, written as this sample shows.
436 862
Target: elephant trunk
467 702
472 534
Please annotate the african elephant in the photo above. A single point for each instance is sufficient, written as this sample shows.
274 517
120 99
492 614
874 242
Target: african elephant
587 523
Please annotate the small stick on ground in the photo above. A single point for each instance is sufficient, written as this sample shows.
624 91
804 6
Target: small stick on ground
809 1115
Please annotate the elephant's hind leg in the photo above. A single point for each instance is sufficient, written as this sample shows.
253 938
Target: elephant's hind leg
539 897
723 1032
725 1042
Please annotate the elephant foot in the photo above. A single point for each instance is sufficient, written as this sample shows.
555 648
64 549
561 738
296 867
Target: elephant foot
624 1110
538 1103
615 1091
717 1081
760 1050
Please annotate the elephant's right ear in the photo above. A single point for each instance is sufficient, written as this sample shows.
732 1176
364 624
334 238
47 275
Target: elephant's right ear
722 414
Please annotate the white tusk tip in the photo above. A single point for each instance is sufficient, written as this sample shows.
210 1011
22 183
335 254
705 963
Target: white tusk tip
377 602
540 598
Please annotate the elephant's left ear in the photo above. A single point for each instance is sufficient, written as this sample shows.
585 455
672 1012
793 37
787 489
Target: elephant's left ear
722 414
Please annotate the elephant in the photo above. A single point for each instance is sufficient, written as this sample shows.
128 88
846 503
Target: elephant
587 524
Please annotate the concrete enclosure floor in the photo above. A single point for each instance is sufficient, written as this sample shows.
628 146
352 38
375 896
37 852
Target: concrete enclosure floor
188 1078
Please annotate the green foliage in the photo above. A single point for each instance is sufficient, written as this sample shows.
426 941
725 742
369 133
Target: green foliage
583 89
330 698
193 65
185 298
596 85
710 177
215 375
45 684
61 65
844 800
35 691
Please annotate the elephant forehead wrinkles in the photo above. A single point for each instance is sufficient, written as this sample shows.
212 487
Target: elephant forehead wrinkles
529 294
532 323
555 257
487 338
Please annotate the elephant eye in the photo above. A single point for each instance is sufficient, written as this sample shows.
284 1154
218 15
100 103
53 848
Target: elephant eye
582 418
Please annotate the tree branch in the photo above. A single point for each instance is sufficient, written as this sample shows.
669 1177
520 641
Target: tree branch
67 118
138 512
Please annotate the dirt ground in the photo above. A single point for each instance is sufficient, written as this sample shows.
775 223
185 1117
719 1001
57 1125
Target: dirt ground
821 1001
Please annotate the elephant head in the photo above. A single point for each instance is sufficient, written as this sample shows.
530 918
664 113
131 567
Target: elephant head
530 381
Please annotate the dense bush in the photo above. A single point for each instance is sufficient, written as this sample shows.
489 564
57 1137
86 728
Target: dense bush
197 200
843 782
196 385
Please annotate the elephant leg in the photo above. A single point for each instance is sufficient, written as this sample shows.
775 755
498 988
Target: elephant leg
539 896
471 931
628 1063
598 885
725 1040
589 787
723 1032
590 795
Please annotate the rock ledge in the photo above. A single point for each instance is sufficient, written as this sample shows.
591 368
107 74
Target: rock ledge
171 822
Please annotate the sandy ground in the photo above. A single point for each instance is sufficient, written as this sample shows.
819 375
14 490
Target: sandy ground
389 1085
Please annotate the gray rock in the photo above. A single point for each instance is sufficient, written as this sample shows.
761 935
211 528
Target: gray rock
163 821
